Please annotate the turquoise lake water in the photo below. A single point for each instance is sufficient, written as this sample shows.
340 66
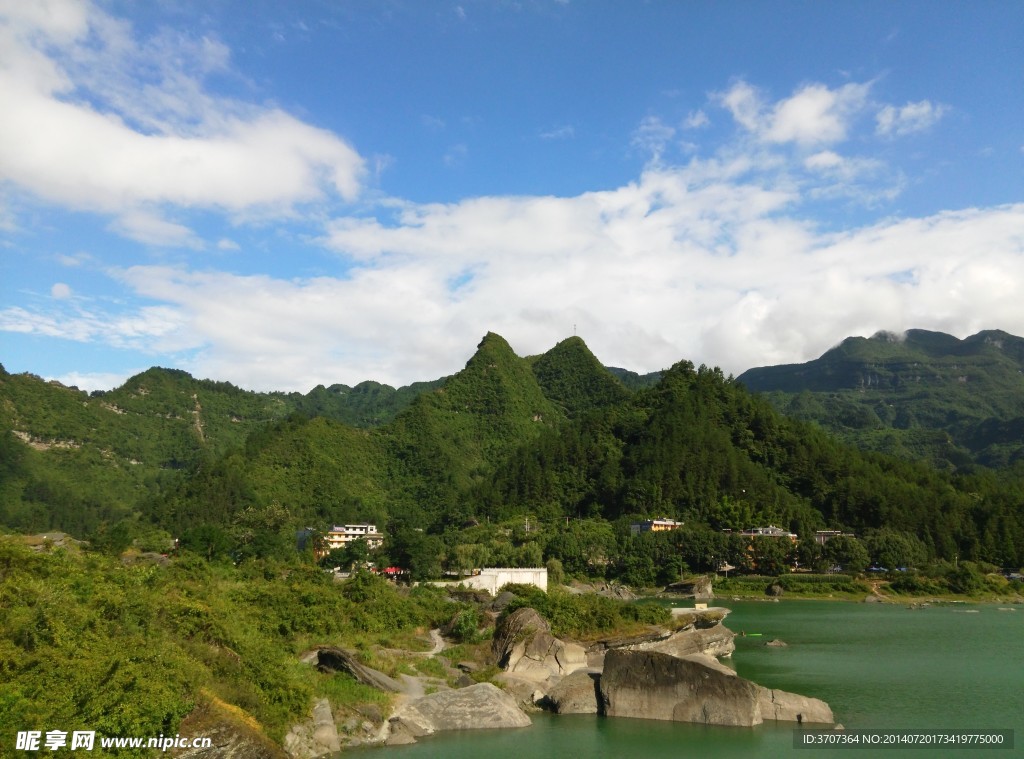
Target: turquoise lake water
878 666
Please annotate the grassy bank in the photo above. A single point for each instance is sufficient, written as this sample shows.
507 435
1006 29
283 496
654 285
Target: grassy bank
127 647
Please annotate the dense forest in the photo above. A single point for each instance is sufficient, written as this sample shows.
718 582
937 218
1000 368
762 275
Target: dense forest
510 461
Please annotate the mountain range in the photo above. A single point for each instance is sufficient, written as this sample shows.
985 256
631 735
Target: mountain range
550 438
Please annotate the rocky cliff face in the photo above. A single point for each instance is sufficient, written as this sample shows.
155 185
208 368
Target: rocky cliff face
524 646
234 733
655 685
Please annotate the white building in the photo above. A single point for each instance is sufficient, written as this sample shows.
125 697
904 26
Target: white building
342 534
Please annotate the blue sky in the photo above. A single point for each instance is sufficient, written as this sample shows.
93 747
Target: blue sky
286 194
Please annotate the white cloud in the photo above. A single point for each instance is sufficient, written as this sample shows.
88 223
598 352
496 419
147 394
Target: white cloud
706 262
95 120
865 180
813 115
147 329
826 160
652 137
696 120
60 291
563 132
911 118
151 229
89 381
455 155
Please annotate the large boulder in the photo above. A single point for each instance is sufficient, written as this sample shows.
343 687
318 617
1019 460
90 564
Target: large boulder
577 693
655 685
524 646
480 706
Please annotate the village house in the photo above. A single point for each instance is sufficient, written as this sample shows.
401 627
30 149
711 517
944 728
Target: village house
821 537
771 531
655 525
341 535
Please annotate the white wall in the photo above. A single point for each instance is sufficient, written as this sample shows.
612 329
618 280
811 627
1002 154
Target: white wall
492 578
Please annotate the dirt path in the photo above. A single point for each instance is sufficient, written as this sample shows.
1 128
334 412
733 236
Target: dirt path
439 644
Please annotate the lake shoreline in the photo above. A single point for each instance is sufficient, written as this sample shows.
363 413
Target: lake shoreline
848 598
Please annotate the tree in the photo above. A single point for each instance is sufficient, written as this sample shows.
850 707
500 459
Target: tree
208 540
895 550
584 547
355 553
847 552
772 556
413 550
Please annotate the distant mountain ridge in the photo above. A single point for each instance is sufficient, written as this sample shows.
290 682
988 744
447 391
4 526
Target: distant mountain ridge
923 393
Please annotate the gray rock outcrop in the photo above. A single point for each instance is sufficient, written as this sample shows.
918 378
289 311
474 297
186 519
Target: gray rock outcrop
524 646
233 734
607 589
700 589
791 707
480 706
696 632
339 660
316 738
577 693
715 641
655 685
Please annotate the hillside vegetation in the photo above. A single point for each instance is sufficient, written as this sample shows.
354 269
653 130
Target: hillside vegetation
922 395
555 442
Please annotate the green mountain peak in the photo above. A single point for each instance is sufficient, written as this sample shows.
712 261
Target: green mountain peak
573 377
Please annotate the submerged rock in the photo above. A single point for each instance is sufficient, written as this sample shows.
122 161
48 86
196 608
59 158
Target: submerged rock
480 706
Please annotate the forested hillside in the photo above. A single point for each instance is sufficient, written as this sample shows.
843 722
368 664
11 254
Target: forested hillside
923 394
554 443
